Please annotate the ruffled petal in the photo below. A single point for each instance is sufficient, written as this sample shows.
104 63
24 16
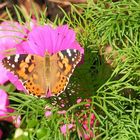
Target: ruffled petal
44 39
14 79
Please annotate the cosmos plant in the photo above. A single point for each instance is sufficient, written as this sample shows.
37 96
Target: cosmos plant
18 39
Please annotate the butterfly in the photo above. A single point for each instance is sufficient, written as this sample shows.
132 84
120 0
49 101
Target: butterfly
42 74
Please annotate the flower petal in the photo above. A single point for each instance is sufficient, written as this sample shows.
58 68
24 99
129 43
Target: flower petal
48 113
3 75
3 101
5 110
65 127
11 34
14 79
46 38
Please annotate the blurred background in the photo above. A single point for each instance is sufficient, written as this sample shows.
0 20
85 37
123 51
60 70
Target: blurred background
28 7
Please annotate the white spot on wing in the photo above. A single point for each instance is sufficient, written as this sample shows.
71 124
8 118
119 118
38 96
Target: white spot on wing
16 58
13 66
69 52
8 57
73 59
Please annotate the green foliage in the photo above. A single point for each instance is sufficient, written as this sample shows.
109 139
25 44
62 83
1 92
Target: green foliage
115 87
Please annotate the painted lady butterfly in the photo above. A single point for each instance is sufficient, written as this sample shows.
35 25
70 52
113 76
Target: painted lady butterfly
42 74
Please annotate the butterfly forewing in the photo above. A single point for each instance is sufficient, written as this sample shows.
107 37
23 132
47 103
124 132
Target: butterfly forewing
17 64
62 66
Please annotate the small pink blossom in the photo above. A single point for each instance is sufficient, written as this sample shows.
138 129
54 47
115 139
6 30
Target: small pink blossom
5 110
79 100
86 121
88 129
62 112
62 105
48 113
65 128
16 121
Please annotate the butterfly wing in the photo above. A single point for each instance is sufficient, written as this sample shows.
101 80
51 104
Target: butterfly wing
27 68
17 64
62 65
37 73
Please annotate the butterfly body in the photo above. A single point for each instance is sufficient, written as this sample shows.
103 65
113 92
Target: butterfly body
42 74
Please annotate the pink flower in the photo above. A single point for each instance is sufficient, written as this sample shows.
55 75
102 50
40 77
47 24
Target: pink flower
11 34
11 37
5 110
86 120
3 75
62 112
88 129
42 39
48 113
65 128
79 100
47 39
